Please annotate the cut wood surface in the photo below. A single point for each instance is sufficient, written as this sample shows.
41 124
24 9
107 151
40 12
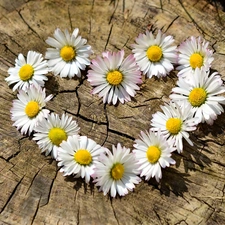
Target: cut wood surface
33 191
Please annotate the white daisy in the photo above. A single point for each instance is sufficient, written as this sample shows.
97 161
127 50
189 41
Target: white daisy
201 93
51 132
28 110
114 77
116 171
175 122
78 155
153 151
155 55
193 53
27 72
69 53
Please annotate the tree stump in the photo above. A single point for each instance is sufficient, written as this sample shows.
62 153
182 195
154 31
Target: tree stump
33 191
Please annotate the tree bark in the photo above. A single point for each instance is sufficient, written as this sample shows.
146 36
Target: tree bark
33 191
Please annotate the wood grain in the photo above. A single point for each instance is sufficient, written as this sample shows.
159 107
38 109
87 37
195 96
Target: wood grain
33 191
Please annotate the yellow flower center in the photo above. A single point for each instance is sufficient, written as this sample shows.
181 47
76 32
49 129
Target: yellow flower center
83 157
196 60
67 53
117 171
197 97
32 109
26 72
114 77
57 135
173 125
154 53
153 154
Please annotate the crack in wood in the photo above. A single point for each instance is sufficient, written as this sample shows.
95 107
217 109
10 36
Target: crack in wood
36 211
78 215
91 16
193 21
107 125
107 41
70 20
181 222
124 5
171 23
28 25
121 134
161 5
19 149
114 212
213 210
50 191
157 215
116 2
8 49
219 16
3 7
11 195
33 179
214 141
13 155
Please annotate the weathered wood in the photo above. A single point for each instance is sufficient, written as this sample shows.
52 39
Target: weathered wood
32 189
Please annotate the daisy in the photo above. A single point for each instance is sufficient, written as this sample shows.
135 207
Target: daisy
114 78
153 151
51 132
68 54
116 171
28 110
193 53
28 71
78 155
154 55
201 93
175 122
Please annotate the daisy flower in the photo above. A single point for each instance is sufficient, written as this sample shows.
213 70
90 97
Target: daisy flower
201 93
153 151
175 122
154 55
28 110
116 171
193 53
51 132
78 155
28 71
68 54
114 77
